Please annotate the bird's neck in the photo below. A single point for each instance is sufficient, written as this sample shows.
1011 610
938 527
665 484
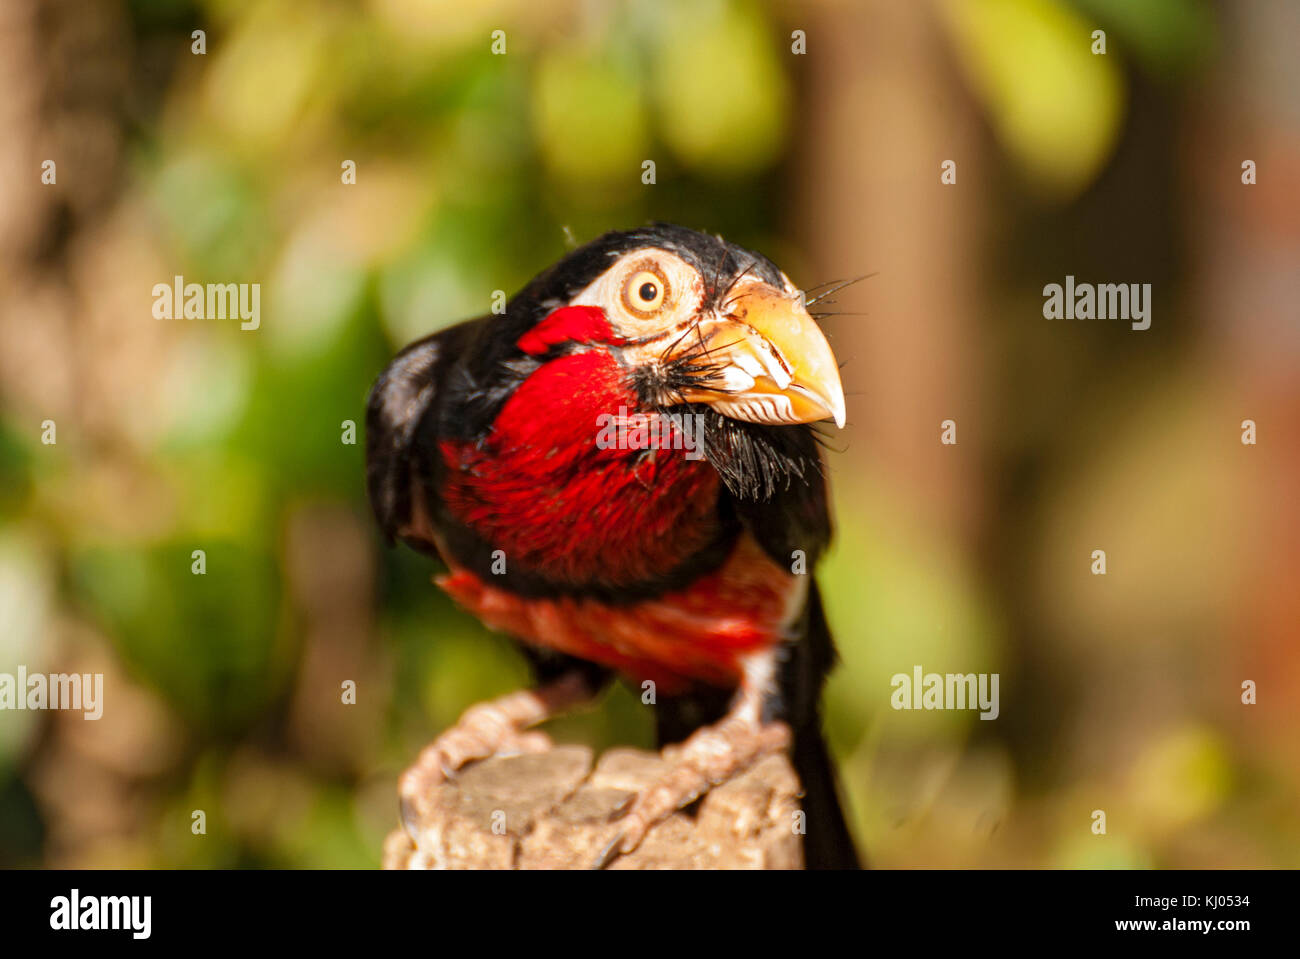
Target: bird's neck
578 486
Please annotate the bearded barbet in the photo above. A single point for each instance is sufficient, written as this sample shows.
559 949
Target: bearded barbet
622 471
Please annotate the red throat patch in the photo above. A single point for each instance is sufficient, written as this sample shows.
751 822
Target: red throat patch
543 490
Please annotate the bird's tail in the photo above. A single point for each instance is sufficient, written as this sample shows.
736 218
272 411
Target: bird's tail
827 844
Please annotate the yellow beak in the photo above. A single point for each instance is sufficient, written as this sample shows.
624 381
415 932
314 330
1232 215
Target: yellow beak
770 362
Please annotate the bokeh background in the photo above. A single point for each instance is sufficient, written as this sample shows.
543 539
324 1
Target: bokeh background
474 171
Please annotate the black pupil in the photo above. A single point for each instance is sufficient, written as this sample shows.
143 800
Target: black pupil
648 292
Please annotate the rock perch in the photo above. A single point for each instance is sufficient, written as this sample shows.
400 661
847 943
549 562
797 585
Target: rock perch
553 811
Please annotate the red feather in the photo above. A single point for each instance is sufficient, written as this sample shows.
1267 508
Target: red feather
696 634
541 489
569 324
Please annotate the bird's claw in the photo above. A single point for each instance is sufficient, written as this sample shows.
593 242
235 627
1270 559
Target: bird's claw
612 850
406 812
711 756
451 752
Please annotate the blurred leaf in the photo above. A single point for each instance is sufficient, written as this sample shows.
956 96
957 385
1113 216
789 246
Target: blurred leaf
589 118
720 92
263 73
26 620
206 643
1055 105
16 463
208 380
1181 777
293 424
1169 37
216 215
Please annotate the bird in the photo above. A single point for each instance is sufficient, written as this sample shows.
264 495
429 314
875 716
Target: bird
623 471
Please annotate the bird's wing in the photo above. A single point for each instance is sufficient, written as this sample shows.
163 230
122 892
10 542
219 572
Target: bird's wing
402 421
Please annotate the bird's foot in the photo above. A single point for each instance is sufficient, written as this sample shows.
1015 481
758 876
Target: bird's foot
494 728
710 757
484 730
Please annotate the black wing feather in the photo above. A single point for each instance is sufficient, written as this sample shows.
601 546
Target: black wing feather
402 420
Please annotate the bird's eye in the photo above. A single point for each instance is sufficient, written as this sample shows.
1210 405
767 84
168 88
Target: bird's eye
645 292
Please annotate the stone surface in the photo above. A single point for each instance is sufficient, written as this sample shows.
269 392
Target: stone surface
553 811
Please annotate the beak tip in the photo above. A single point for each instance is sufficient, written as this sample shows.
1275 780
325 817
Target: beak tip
838 413
830 397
